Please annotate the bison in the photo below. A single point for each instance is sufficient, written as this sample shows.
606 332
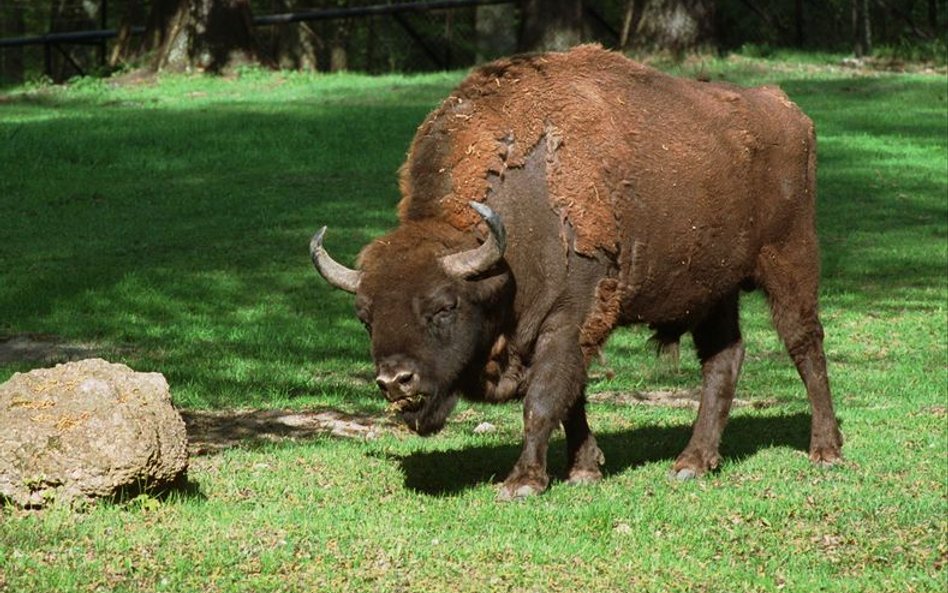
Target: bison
553 197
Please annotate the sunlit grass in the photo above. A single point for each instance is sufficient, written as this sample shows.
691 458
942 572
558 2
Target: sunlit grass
168 224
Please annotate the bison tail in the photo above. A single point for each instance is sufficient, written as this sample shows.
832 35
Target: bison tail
665 340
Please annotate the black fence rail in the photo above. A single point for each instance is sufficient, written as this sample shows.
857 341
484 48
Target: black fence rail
399 14
57 41
325 14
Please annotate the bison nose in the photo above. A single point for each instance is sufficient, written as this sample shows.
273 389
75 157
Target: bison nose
397 385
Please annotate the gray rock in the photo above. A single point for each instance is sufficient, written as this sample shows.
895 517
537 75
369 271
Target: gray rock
87 429
484 427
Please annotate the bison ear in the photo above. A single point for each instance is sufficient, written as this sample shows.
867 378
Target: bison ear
474 262
335 273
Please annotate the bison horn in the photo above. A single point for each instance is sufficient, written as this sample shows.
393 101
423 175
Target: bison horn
335 273
477 261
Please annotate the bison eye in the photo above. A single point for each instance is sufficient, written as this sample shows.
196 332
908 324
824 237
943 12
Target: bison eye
444 316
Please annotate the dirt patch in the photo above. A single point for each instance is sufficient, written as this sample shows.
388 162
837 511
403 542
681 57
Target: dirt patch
47 348
214 431
675 398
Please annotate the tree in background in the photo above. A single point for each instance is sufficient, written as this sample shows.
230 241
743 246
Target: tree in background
496 32
293 46
12 24
339 45
65 15
215 35
207 35
675 26
550 25
862 34
123 49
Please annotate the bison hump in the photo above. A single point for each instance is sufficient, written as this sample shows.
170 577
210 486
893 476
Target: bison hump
498 115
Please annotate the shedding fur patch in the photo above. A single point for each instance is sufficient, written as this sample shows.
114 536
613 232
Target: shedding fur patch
602 319
631 152
503 373
498 115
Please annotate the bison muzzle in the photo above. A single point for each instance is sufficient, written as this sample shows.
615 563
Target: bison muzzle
554 197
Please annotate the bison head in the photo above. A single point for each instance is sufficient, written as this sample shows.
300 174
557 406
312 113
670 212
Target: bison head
428 295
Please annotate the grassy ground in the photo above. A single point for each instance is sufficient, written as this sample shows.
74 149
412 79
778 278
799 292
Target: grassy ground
166 225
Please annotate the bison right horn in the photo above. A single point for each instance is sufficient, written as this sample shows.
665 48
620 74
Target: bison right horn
335 273
477 261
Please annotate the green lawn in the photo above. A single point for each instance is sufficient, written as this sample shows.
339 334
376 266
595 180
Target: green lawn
166 226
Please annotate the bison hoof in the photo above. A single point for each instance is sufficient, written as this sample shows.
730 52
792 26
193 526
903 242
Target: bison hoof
584 476
825 456
513 492
682 475
693 464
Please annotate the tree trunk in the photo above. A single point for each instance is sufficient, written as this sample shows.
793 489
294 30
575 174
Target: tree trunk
551 25
628 23
857 41
292 45
798 22
862 35
123 50
165 40
67 60
206 35
676 26
496 32
339 47
222 34
11 58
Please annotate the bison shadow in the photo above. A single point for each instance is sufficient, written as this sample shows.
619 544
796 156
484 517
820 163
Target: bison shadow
447 473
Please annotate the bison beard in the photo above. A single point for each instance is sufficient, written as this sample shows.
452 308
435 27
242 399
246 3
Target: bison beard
556 196
430 417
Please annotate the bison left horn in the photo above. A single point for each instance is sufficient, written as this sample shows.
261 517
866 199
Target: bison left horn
477 261
335 273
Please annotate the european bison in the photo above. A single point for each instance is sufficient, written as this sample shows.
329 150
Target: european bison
553 197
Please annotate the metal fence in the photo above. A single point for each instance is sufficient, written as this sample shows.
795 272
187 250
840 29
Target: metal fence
64 38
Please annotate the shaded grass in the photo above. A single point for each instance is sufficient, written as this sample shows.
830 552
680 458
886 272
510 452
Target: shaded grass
168 223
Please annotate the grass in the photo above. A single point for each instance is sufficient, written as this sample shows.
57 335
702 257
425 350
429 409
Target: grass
168 223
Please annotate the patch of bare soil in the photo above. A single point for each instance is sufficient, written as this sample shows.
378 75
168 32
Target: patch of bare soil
211 431
675 398
46 348
139 76
874 64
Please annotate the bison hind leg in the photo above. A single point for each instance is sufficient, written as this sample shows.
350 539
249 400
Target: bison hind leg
721 350
790 278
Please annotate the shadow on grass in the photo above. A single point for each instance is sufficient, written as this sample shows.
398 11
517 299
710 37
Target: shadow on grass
447 473
182 488
212 431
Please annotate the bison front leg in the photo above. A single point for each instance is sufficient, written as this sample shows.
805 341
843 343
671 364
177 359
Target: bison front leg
584 456
555 385
719 345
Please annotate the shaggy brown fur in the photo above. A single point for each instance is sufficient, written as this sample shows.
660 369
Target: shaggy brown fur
596 110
